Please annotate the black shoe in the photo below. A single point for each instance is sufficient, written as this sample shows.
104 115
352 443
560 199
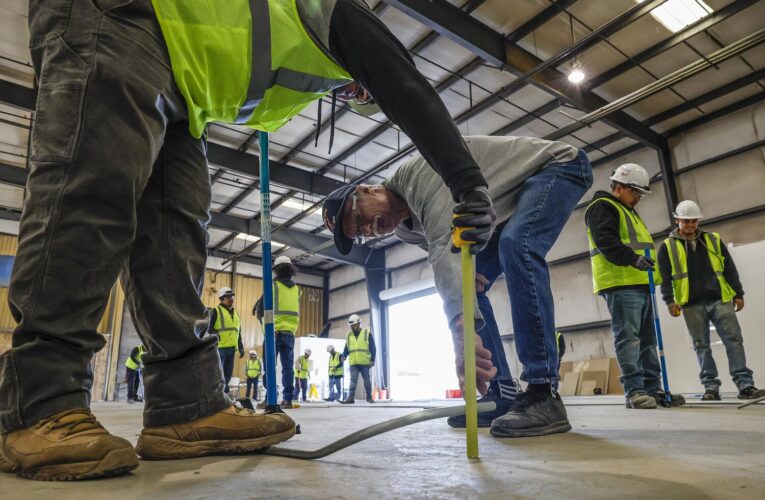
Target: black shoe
487 417
711 395
370 400
661 399
533 413
751 392
131 401
138 399
348 401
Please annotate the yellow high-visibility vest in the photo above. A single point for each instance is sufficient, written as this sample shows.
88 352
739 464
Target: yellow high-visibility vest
227 327
305 368
254 367
286 307
132 364
358 348
335 366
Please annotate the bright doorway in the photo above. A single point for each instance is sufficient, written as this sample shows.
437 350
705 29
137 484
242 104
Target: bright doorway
421 352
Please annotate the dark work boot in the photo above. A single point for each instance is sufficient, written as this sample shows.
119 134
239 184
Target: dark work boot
486 418
661 399
711 395
533 413
751 392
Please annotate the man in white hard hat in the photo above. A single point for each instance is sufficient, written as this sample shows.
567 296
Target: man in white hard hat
360 351
700 281
535 185
252 370
286 321
303 367
226 325
618 238
335 372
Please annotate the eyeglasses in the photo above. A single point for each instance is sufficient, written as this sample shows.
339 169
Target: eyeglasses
357 220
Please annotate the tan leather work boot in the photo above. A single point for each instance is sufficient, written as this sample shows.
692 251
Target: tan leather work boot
231 431
67 446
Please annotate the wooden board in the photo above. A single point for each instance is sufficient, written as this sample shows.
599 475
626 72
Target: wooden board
586 388
589 380
614 386
5 341
569 383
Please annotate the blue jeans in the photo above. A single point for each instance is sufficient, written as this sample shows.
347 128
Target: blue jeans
364 371
285 349
227 355
302 384
252 383
634 339
723 316
335 391
545 202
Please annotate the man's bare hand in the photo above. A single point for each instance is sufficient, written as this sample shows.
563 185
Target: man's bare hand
738 303
484 368
674 309
480 282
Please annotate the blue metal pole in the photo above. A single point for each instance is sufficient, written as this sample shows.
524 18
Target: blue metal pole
268 290
657 325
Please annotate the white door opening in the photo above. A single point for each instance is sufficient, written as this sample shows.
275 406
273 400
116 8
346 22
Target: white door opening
421 352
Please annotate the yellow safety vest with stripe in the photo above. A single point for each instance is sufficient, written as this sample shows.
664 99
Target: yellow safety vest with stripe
335 366
132 364
249 62
286 307
305 368
227 327
634 234
253 367
679 263
358 348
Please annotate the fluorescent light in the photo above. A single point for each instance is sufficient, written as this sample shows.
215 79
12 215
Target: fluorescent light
247 237
277 244
677 14
293 204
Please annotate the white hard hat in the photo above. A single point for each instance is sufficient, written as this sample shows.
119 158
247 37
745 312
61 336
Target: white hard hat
688 209
282 259
225 291
308 351
330 348
253 351
634 176
354 319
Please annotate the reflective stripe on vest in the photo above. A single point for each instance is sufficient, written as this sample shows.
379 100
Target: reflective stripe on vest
305 368
286 307
634 234
253 368
132 364
249 62
226 327
678 259
358 348
335 366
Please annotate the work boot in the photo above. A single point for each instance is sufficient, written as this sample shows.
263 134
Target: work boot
67 446
130 401
235 430
487 417
286 405
533 413
370 400
751 392
661 399
348 401
711 395
640 401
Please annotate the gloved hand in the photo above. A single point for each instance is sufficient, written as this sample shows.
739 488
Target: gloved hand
475 211
644 263
674 309
241 354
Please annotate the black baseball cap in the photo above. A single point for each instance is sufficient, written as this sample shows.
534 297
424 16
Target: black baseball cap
332 213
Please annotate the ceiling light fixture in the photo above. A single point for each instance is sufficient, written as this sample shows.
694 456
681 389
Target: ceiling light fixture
677 14
576 75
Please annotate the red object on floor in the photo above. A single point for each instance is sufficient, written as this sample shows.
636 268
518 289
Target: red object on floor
453 393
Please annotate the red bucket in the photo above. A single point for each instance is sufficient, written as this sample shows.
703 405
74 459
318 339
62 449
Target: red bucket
453 394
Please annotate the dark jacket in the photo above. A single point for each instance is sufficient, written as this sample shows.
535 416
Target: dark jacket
372 347
703 286
603 221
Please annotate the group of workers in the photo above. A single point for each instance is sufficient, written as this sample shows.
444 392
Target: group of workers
119 186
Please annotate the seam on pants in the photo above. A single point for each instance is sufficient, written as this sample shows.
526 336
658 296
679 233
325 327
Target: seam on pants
527 259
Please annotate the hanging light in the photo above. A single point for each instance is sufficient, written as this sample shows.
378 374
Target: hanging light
576 75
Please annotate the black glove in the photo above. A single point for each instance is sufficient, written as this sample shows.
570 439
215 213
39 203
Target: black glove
644 263
475 211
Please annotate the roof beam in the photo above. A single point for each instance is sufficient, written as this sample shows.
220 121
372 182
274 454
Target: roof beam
302 240
493 47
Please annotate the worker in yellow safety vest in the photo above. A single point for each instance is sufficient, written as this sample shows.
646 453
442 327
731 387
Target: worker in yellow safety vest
133 366
158 75
360 351
335 372
618 239
303 367
252 370
226 325
700 281
286 321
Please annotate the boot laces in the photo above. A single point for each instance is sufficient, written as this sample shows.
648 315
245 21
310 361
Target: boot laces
73 422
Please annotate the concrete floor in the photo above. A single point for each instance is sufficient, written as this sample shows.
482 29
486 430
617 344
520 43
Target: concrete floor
698 451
